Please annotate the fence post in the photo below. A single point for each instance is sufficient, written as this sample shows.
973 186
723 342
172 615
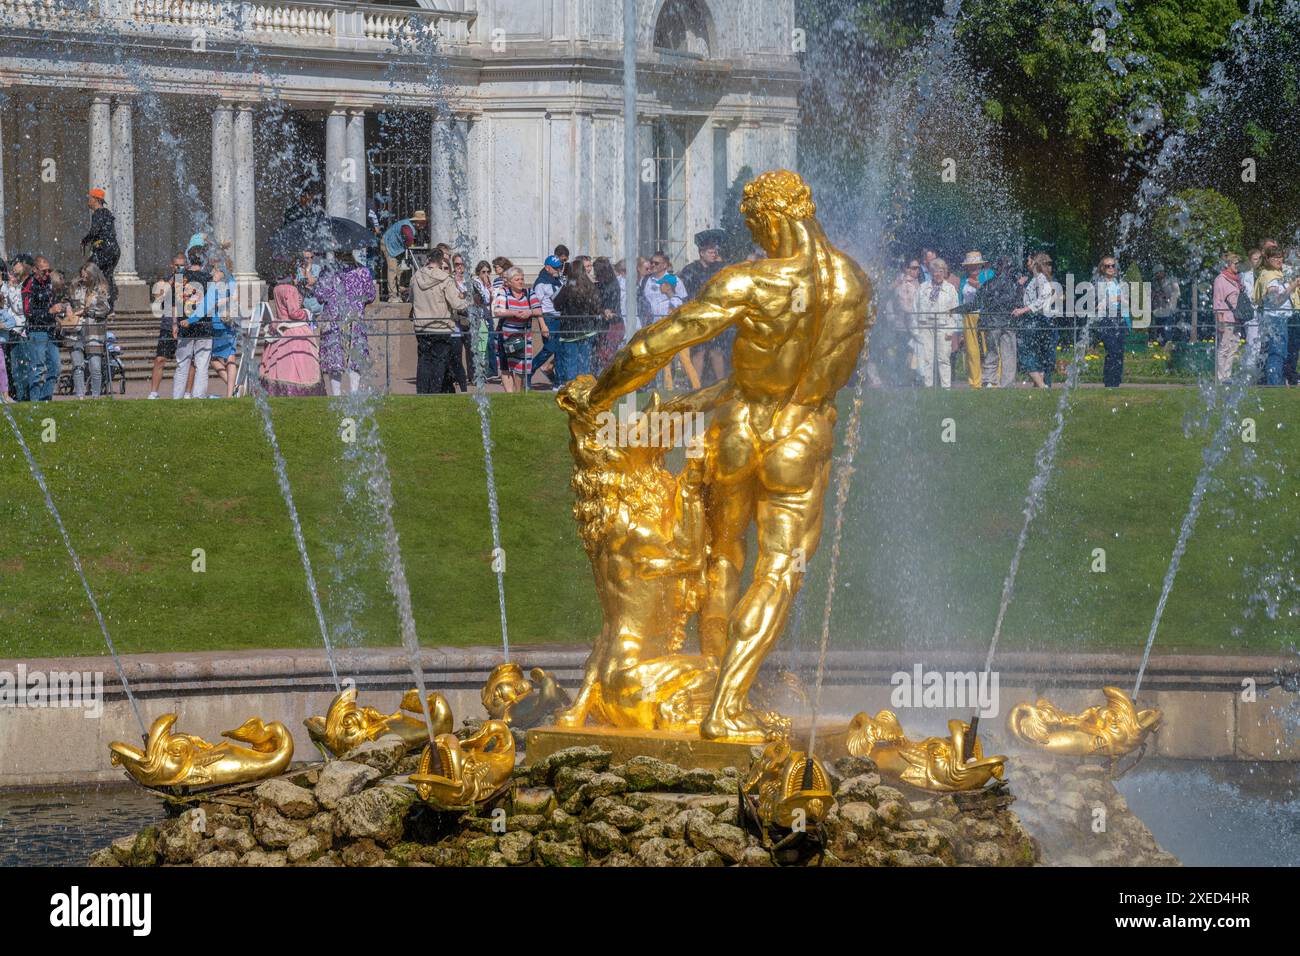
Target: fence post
934 359
528 359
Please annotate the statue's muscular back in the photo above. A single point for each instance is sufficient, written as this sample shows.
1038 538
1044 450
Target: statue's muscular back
801 332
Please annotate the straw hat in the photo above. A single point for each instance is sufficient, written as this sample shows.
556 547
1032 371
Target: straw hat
419 216
974 258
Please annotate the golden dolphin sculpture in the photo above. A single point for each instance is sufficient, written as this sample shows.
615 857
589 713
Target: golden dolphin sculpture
934 763
347 724
1112 729
458 773
776 780
183 760
510 696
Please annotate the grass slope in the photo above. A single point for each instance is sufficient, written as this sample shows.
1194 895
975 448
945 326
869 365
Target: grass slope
928 539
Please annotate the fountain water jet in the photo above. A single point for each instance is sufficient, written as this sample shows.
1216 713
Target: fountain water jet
39 475
282 476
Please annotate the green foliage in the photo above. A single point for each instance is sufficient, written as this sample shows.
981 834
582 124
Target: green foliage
1195 228
1124 87
738 243
1080 121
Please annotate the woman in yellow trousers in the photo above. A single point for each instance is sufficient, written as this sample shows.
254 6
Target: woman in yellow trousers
977 272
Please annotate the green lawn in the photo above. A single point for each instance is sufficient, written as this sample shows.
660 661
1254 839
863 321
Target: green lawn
929 534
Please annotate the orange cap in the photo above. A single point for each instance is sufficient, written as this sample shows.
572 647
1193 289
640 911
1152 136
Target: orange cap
97 193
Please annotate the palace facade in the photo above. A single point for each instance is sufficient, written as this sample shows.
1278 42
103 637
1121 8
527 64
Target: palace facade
503 119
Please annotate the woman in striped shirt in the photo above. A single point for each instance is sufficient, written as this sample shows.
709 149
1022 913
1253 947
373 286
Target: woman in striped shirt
517 308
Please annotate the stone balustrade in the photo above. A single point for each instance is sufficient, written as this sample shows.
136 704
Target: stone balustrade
259 17
346 25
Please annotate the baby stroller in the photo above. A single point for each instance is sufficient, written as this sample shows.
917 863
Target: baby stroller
114 370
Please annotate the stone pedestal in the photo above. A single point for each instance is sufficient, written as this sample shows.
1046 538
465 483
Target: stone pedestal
676 748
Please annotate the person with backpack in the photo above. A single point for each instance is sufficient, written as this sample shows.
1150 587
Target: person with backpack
1226 299
547 287
194 329
396 240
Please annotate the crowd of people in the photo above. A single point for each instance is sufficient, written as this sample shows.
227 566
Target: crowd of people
1006 319
567 321
40 311
492 323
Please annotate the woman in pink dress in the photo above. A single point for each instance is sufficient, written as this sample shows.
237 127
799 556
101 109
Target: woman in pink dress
291 359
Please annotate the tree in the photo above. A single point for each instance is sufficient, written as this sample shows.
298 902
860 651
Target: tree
738 243
1194 228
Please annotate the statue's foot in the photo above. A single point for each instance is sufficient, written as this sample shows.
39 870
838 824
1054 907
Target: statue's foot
571 718
749 726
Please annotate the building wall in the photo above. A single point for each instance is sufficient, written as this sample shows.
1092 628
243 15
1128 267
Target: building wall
535 86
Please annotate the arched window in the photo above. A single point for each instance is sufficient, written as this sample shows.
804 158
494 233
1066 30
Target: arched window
683 27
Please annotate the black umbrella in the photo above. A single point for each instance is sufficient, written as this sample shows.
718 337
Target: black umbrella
320 234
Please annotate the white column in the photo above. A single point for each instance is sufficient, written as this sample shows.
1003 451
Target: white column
462 216
101 147
123 206
476 179
645 151
245 195
584 182
223 175
336 190
356 153
699 186
442 151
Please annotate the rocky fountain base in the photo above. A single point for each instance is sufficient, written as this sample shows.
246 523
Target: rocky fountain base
577 807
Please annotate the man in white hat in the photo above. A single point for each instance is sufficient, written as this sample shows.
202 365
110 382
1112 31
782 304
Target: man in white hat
399 237
975 273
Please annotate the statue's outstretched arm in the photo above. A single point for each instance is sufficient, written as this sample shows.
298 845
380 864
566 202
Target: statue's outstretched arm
704 400
719 305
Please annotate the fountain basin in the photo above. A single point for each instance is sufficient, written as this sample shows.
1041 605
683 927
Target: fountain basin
1205 717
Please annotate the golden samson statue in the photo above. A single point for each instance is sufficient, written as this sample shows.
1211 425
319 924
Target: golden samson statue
664 547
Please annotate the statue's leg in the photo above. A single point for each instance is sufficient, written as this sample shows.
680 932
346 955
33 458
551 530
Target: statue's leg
730 510
575 715
588 696
793 477
731 461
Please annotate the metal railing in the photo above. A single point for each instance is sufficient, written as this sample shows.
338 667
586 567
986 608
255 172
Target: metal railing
1179 327
253 335
389 328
